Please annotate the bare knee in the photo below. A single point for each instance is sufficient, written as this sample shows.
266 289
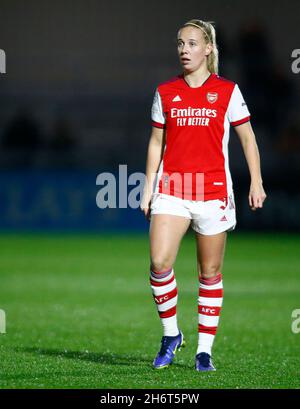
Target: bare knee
161 264
209 270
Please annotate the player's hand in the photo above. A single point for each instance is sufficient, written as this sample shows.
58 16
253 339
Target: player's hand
145 204
147 212
256 196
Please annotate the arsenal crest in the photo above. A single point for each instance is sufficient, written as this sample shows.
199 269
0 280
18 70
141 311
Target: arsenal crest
212 97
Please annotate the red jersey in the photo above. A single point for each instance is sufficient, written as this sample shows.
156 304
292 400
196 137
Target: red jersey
197 122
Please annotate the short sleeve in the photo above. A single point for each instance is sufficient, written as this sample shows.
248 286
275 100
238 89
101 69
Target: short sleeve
238 112
157 114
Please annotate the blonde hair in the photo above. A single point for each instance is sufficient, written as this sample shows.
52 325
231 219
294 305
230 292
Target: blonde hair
209 34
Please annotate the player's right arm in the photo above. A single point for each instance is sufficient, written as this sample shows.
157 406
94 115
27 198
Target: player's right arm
154 156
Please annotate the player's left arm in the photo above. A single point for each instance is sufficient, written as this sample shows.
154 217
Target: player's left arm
247 138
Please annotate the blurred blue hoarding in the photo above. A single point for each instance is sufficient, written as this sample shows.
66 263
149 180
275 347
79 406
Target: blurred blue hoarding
59 200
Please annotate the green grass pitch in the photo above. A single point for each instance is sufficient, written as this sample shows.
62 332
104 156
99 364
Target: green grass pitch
80 313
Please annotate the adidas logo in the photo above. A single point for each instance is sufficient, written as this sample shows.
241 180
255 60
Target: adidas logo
177 98
223 219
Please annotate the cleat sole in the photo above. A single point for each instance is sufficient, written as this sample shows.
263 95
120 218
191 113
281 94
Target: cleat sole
205 370
161 367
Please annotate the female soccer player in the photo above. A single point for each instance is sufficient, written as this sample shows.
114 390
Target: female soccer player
189 183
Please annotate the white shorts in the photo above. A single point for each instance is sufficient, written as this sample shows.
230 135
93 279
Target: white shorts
209 217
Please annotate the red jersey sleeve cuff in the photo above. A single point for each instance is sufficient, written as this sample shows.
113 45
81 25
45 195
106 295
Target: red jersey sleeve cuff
158 125
240 121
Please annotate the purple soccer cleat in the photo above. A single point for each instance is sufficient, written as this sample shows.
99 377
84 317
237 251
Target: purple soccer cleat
203 362
169 347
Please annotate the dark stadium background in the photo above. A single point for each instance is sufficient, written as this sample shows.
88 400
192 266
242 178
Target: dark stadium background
75 101
77 94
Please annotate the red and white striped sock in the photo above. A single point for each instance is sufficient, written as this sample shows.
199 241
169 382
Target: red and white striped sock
209 306
164 290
